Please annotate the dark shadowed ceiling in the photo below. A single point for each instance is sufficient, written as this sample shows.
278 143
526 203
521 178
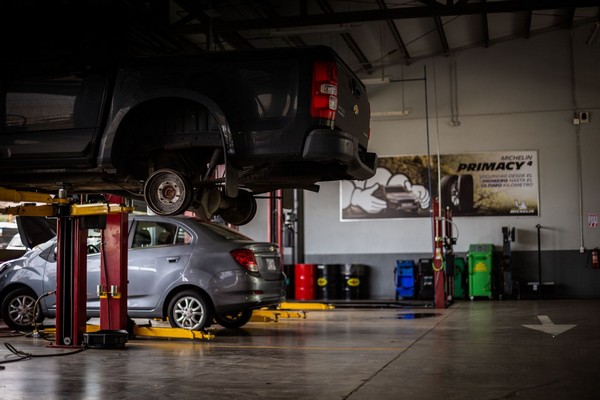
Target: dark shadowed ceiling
369 34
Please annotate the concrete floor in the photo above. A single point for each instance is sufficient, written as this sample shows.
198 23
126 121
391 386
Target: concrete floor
473 350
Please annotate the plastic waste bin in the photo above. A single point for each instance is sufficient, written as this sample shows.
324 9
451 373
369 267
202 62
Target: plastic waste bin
480 270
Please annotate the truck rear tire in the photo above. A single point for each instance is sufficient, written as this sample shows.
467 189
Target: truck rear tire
239 210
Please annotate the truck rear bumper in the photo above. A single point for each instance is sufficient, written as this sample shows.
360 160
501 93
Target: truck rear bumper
326 145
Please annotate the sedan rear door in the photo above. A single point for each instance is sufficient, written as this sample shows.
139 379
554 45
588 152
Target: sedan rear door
159 253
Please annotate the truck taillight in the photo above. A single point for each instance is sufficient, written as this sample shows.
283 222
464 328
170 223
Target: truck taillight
324 91
245 258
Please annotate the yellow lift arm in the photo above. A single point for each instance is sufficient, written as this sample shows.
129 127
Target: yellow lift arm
50 208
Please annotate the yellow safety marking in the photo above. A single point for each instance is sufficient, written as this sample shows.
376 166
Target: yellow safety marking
305 306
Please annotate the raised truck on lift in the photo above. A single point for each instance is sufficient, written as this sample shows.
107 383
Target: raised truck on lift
206 132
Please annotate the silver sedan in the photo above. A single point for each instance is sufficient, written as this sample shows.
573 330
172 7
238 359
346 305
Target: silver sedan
180 268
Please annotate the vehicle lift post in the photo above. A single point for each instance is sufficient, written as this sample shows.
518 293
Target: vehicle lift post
113 279
71 284
275 219
443 257
71 279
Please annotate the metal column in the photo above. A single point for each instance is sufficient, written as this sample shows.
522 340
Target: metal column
113 272
71 282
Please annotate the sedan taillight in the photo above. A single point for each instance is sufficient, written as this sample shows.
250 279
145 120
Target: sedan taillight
245 258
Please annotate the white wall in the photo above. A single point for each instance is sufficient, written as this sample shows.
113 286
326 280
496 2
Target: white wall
516 95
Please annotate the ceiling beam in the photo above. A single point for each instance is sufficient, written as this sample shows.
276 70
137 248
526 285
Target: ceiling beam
486 29
569 17
528 21
266 8
350 42
197 10
395 33
439 26
436 9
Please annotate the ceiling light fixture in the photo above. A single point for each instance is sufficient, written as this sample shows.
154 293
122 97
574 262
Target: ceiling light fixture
391 114
376 81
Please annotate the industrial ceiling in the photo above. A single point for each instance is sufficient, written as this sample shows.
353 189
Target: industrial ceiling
368 34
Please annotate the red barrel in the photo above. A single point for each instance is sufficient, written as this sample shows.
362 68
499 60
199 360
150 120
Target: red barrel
304 281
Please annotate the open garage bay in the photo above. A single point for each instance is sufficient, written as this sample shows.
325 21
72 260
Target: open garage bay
472 350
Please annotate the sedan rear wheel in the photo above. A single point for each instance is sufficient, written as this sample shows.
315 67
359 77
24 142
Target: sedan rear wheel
234 320
189 310
18 310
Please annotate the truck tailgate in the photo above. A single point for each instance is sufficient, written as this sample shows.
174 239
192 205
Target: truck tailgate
353 112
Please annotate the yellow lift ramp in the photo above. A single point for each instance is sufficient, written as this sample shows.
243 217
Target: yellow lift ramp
163 332
287 310
283 310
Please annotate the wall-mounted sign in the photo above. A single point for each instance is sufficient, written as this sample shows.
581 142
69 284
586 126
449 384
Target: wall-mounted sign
593 220
471 184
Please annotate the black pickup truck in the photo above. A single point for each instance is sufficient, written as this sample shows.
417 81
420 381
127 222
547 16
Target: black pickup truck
206 131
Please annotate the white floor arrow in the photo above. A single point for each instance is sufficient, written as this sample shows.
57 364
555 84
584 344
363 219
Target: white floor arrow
547 326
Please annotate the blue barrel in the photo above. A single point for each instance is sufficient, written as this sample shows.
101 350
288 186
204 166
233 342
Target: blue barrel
405 279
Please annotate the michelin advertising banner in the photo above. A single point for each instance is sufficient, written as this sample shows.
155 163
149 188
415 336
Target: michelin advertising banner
472 184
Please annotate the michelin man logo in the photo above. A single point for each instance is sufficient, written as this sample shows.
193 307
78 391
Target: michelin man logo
383 191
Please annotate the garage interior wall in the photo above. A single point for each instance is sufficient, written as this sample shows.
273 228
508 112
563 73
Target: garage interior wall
515 95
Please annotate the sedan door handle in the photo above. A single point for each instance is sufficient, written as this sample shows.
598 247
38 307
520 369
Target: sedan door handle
172 259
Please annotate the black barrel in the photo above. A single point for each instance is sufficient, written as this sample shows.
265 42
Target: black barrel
425 279
288 270
354 282
328 282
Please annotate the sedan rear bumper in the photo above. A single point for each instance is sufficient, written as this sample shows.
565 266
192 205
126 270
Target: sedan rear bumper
240 290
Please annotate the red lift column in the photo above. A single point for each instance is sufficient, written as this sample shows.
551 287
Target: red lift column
71 282
113 271
443 257
438 257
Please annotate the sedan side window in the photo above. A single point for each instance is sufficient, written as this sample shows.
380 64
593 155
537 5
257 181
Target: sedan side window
150 234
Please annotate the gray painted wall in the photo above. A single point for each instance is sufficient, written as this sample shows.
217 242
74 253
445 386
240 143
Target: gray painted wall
516 95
